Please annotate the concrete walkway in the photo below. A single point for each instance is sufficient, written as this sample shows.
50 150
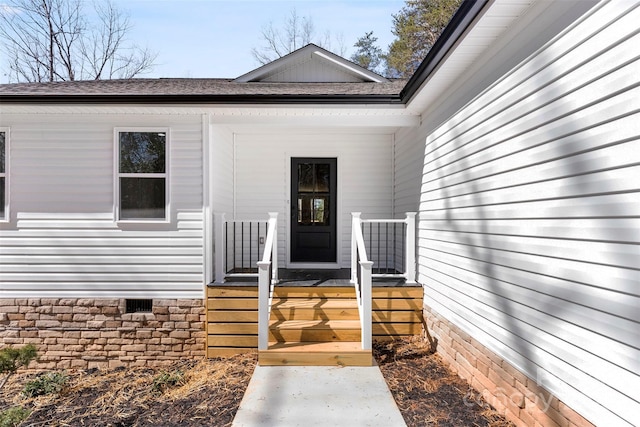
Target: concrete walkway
289 396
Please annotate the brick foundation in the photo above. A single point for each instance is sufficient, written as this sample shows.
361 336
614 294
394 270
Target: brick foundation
509 391
97 333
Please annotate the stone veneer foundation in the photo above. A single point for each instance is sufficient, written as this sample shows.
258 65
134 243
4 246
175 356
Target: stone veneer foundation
516 396
97 333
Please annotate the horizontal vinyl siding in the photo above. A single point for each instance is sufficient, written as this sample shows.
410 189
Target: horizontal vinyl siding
222 169
63 240
529 231
364 178
408 164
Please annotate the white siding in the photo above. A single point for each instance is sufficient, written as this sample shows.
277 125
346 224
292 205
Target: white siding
529 232
62 239
313 69
364 177
408 155
222 169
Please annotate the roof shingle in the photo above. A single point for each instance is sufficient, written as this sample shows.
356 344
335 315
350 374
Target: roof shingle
200 87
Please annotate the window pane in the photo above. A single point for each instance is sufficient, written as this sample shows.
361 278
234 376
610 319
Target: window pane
322 177
2 197
142 152
320 211
142 198
313 177
313 210
305 177
2 153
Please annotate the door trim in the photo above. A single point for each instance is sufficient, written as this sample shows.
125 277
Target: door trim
287 223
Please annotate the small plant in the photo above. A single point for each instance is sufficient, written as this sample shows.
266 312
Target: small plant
165 380
13 416
11 359
47 383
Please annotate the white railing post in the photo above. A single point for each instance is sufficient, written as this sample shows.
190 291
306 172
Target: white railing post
365 288
410 268
355 222
266 278
219 249
264 286
274 250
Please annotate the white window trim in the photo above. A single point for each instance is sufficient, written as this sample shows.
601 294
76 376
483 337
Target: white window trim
117 175
6 174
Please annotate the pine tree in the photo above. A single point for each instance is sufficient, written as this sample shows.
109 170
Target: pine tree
367 55
417 27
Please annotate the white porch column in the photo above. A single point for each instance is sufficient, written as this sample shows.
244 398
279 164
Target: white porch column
410 268
218 247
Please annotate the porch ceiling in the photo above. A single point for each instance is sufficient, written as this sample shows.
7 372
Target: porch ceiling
365 116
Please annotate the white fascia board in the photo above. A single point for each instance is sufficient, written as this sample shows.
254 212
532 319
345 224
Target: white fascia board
351 68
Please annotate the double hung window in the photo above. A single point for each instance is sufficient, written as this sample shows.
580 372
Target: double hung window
4 174
142 179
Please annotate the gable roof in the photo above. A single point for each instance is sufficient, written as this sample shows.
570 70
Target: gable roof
258 86
311 64
201 91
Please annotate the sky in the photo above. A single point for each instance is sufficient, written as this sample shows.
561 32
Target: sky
214 38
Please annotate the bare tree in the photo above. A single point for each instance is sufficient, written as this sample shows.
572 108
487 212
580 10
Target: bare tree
297 32
51 40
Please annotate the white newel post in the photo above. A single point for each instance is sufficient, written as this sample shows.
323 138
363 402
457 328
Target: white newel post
219 249
274 250
267 276
263 304
355 222
410 270
365 288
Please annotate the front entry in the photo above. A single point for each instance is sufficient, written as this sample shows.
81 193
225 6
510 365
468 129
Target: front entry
313 209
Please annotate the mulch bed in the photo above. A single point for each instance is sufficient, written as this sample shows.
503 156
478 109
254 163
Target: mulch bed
208 392
427 392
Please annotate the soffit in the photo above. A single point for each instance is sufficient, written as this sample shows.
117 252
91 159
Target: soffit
484 33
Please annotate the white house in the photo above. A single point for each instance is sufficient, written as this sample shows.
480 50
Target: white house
516 142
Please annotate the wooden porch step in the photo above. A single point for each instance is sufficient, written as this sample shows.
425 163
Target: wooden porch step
282 303
314 330
343 353
314 292
314 309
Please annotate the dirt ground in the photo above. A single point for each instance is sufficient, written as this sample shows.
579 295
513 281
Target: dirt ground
208 392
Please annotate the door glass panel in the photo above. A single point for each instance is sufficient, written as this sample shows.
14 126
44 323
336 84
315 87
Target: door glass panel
319 211
313 210
322 177
314 184
305 177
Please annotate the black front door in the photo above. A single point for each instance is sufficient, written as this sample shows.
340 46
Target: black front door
313 209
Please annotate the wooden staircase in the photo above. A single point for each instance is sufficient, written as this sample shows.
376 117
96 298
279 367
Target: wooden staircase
232 320
314 327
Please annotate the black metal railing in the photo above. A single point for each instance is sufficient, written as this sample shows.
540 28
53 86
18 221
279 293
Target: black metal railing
244 242
386 245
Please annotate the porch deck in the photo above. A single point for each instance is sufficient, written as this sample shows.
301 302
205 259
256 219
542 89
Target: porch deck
310 306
